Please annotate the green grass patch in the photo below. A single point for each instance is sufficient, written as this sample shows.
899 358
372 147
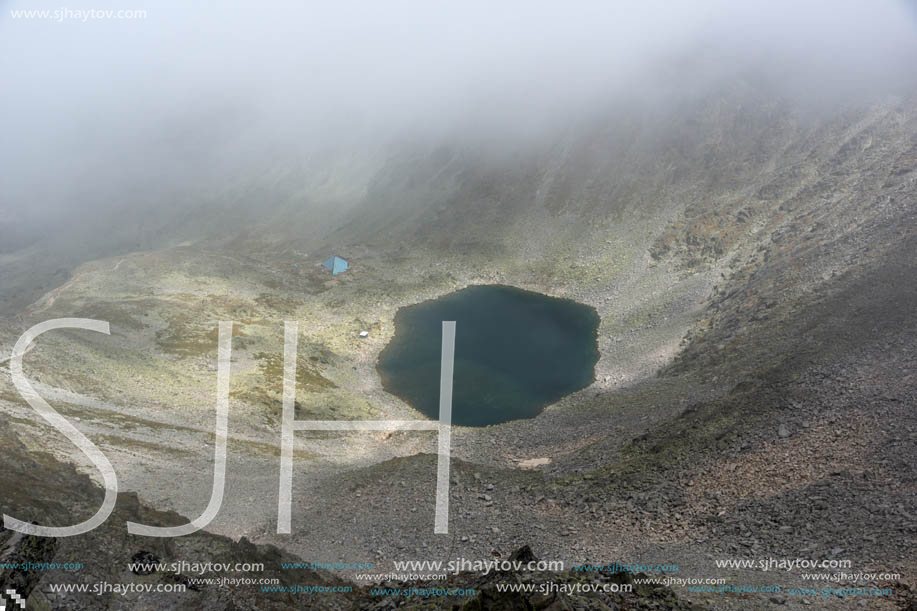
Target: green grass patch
186 337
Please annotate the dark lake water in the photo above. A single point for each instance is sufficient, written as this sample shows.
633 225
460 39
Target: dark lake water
515 353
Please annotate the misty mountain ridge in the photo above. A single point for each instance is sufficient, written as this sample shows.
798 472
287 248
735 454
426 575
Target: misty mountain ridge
733 190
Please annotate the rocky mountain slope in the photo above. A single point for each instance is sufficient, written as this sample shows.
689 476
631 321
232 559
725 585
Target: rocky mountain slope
753 265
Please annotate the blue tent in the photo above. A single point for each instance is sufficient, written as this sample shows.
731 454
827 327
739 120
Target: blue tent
335 265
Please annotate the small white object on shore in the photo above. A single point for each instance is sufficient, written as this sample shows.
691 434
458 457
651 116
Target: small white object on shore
364 333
